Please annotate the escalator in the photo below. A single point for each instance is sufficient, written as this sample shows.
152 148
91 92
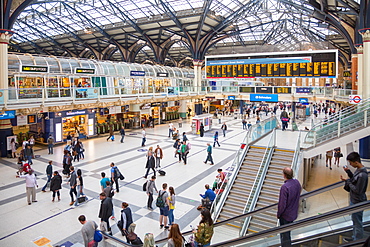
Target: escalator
269 194
235 202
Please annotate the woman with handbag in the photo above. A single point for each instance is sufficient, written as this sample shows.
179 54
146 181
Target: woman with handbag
80 186
125 225
204 233
175 238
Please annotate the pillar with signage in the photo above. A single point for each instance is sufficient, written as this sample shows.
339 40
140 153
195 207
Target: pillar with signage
365 33
360 71
5 130
5 36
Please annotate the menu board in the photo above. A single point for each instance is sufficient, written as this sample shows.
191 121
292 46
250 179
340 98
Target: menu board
275 65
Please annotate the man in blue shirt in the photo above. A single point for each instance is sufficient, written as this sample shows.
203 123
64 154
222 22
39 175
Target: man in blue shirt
208 197
114 176
288 205
209 154
103 181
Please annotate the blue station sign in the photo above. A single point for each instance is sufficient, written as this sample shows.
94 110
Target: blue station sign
264 97
231 97
137 73
303 90
7 115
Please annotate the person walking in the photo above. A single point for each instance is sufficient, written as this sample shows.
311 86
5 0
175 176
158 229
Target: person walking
122 132
204 233
126 221
77 151
158 152
170 129
176 147
224 129
143 133
175 238
82 150
111 133
105 212
150 164
28 154
13 148
50 142
337 156
329 157
164 208
172 201
184 137
284 119
114 176
31 185
209 154
72 184
87 230
49 173
184 149
80 186
103 181
67 163
150 187
201 130
109 192
56 185
244 122
215 139
288 203
356 185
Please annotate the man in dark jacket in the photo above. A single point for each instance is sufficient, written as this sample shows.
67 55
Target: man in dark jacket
49 173
122 132
106 209
356 185
150 164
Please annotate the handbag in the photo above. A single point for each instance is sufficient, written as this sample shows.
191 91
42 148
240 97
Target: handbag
130 236
285 119
340 155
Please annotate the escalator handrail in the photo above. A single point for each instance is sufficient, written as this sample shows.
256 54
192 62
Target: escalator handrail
272 206
298 224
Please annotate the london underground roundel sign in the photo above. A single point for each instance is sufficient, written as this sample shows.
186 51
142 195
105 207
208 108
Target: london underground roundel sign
355 99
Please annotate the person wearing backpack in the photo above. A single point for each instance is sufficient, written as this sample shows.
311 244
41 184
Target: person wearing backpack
184 151
114 175
163 204
149 188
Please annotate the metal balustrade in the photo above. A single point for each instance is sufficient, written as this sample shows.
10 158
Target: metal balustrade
350 119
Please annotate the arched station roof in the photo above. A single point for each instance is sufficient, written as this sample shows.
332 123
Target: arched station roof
174 32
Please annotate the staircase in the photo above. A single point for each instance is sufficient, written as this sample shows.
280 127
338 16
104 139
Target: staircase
236 199
270 190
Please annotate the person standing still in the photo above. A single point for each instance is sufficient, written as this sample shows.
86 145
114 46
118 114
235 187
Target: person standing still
163 211
158 156
150 187
209 154
356 185
49 173
72 184
56 185
224 129
143 133
50 144
31 185
288 203
122 132
180 122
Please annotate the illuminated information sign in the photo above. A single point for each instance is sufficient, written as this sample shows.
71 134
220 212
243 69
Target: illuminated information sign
274 65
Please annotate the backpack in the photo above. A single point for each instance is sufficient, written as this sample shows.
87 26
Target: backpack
160 203
188 145
98 236
111 192
144 185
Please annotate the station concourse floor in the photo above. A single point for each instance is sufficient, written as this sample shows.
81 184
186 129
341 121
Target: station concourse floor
22 224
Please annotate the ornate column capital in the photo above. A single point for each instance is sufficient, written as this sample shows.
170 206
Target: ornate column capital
5 36
365 33
360 48
197 62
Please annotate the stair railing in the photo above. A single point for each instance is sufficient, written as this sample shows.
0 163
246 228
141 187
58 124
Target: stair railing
258 182
256 132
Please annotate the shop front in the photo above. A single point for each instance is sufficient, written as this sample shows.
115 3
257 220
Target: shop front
77 123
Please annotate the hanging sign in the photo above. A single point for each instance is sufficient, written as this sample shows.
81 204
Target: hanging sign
84 71
34 69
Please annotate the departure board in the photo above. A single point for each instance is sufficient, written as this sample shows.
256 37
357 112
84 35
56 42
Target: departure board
275 65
